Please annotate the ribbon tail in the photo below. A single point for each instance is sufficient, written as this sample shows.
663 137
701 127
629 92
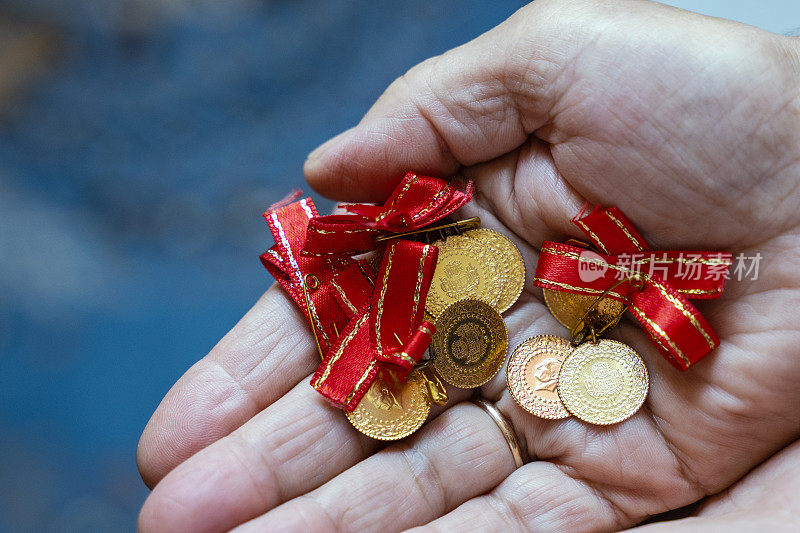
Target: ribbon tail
679 331
398 304
610 231
384 330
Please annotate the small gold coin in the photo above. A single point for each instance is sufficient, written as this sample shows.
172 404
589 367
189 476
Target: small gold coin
392 409
493 263
568 308
511 264
603 383
470 343
462 271
533 375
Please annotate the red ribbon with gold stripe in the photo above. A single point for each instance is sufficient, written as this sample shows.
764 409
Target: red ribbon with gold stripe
387 332
366 321
329 281
657 284
416 202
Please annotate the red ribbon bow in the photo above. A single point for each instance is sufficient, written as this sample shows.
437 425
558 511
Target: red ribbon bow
415 203
656 295
365 322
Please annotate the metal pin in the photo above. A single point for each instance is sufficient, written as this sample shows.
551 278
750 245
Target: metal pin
579 330
461 225
311 320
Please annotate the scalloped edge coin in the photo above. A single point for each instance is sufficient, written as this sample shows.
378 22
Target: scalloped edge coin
467 376
523 381
458 250
403 410
581 384
511 260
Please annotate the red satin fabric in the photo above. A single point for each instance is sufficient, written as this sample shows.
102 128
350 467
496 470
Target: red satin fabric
416 202
660 304
398 302
381 329
290 268
378 316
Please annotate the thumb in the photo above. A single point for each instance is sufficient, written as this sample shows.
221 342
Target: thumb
469 105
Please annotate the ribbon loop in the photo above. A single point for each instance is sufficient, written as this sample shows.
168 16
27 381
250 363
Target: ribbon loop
657 298
416 202
288 224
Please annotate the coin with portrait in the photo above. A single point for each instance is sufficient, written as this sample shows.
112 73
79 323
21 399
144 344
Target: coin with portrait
532 375
392 409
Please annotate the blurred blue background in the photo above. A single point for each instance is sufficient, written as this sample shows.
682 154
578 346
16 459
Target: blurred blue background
139 142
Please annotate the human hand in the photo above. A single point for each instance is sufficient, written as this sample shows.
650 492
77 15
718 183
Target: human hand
690 125
765 499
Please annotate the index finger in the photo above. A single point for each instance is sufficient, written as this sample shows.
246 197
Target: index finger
469 105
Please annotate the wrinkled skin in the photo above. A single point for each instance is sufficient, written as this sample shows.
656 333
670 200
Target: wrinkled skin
691 125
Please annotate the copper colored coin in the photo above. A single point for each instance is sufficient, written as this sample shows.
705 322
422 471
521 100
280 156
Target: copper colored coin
392 409
533 375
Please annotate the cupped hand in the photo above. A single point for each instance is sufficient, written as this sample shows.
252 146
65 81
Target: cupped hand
691 125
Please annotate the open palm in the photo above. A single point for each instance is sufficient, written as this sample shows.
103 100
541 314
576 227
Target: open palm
691 126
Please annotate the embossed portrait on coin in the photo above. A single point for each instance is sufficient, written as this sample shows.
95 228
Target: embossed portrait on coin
384 398
468 342
459 279
546 374
603 379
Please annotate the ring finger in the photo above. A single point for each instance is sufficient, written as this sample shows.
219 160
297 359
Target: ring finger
408 483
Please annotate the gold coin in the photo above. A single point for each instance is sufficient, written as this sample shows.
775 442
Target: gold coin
392 409
492 262
462 271
511 264
568 308
470 343
603 383
533 375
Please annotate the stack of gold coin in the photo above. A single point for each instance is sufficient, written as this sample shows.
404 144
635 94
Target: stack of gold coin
596 380
480 264
478 275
